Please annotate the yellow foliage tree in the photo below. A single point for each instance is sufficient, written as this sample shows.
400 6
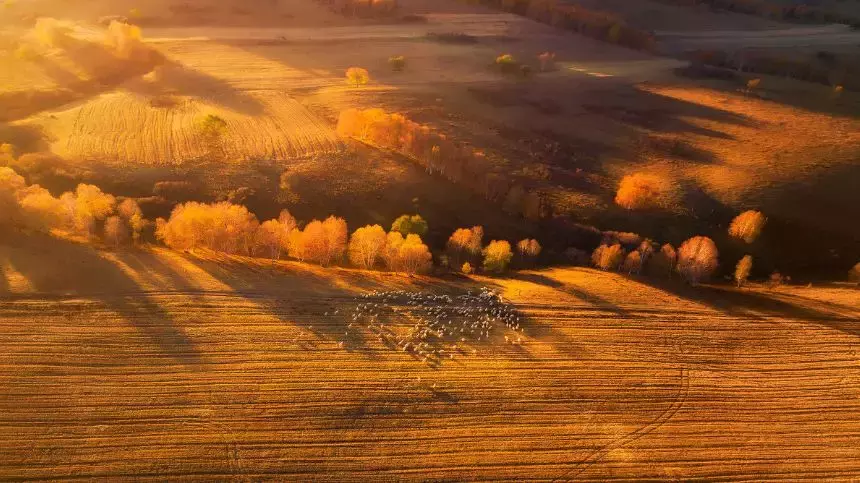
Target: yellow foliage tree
497 256
642 191
742 270
357 76
608 257
366 246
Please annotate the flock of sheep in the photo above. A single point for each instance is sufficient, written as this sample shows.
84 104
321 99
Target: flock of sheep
433 327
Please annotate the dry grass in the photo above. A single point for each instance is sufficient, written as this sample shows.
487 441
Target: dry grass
210 367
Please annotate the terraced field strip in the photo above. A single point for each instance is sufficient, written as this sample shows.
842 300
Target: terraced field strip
252 384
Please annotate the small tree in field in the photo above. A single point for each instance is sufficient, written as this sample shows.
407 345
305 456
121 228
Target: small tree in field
497 256
357 76
742 270
608 257
697 259
466 268
747 226
407 224
854 274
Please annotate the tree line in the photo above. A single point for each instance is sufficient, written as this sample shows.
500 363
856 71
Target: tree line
437 153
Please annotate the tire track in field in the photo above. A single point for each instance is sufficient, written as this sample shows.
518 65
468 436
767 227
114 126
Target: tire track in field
597 455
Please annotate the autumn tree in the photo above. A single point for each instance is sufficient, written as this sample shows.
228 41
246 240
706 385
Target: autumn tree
466 268
91 206
407 224
414 255
632 263
465 243
116 231
747 226
497 256
697 259
221 226
366 246
11 183
357 76
608 257
664 261
528 249
643 191
130 211
742 270
274 235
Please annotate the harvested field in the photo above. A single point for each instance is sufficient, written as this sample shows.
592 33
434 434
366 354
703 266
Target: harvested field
128 129
210 367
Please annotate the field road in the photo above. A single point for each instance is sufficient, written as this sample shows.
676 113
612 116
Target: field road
206 368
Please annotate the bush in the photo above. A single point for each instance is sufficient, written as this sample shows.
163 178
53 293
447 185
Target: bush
697 259
747 226
643 191
742 270
507 64
357 76
497 256
466 268
406 224
608 257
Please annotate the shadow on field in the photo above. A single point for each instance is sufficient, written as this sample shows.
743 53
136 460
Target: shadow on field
55 267
750 304
586 297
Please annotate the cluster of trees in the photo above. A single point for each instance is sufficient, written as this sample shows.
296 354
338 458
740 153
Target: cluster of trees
823 68
231 228
696 259
87 211
439 154
596 24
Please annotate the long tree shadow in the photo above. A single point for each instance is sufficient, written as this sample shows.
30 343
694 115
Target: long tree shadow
587 297
60 268
757 305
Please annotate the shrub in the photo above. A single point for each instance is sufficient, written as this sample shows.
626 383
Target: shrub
643 191
752 84
357 76
742 270
608 257
697 259
397 63
747 226
406 224
497 256
366 246
507 64
466 268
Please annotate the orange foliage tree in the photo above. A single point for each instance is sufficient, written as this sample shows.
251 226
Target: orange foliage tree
747 226
608 257
697 259
643 191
